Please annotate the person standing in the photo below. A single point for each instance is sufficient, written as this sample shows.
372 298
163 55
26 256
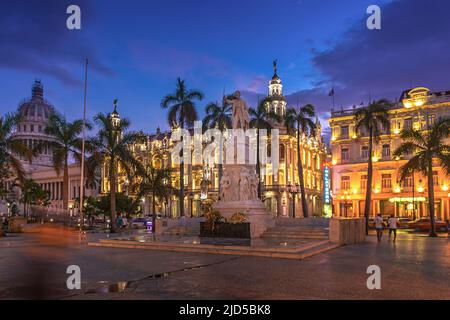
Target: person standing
379 226
393 225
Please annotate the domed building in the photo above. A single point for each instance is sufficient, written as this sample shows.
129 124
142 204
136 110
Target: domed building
35 113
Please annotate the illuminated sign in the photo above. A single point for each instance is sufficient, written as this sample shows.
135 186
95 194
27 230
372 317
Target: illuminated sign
326 185
408 199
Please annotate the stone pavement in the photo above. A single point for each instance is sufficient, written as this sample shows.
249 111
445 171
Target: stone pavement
415 267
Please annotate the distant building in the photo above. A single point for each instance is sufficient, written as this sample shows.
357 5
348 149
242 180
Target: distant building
417 108
35 112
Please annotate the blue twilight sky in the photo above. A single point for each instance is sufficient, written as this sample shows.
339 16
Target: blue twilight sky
138 48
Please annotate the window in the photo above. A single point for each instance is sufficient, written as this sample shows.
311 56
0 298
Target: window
40 128
363 182
386 181
408 182
25 128
344 131
32 128
345 154
407 123
386 128
435 178
345 183
386 151
282 153
365 152
431 119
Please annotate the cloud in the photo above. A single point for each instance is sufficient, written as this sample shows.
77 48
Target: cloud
34 38
171 61
410 50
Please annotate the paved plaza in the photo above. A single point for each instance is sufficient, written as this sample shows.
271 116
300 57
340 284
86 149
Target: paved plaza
415 267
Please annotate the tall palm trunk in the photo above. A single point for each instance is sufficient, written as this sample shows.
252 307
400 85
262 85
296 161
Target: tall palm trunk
112 192
258 168
369 182
182 178
300 177
220 164
154 213
431 199
66 185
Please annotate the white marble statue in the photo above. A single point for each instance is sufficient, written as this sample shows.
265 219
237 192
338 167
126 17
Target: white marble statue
240 119
239 184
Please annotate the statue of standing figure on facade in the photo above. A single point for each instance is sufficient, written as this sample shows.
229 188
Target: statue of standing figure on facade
240 119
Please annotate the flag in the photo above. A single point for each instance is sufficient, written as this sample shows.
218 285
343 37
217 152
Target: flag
331 93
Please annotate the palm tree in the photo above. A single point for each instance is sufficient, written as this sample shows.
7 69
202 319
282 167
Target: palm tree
11 149
371 119
218 116
155 182
424 146
65 144
261 118
112 147
33 193
182 114
298 122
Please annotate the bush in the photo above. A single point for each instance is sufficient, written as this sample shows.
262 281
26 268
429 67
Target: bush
238 217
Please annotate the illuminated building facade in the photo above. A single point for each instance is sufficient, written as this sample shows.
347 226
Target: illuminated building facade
202 182
417 108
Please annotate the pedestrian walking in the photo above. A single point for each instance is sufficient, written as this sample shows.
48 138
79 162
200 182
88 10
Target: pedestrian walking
393 225
125 222
379 226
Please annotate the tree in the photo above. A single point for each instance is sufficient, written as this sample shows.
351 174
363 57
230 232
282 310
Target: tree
422 147
90 208
182 114
218 116
11 150
260 118
155 182
112 147
372 118
299 122
33 194
66 144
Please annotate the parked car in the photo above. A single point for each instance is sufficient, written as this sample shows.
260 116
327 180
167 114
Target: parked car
139 223
403 223
424 224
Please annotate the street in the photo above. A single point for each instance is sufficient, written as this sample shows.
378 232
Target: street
415 267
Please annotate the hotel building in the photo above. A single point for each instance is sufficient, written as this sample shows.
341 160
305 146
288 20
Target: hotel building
416 108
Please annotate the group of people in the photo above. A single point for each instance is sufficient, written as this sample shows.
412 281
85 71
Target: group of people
122 222
392 225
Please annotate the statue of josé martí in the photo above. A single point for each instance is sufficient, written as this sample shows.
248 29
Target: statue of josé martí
240 119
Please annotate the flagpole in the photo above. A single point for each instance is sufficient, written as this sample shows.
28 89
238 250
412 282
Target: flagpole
83 148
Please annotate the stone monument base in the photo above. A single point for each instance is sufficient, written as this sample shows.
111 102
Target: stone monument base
255 211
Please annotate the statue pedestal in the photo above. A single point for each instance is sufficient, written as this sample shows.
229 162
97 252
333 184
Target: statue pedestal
255 211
